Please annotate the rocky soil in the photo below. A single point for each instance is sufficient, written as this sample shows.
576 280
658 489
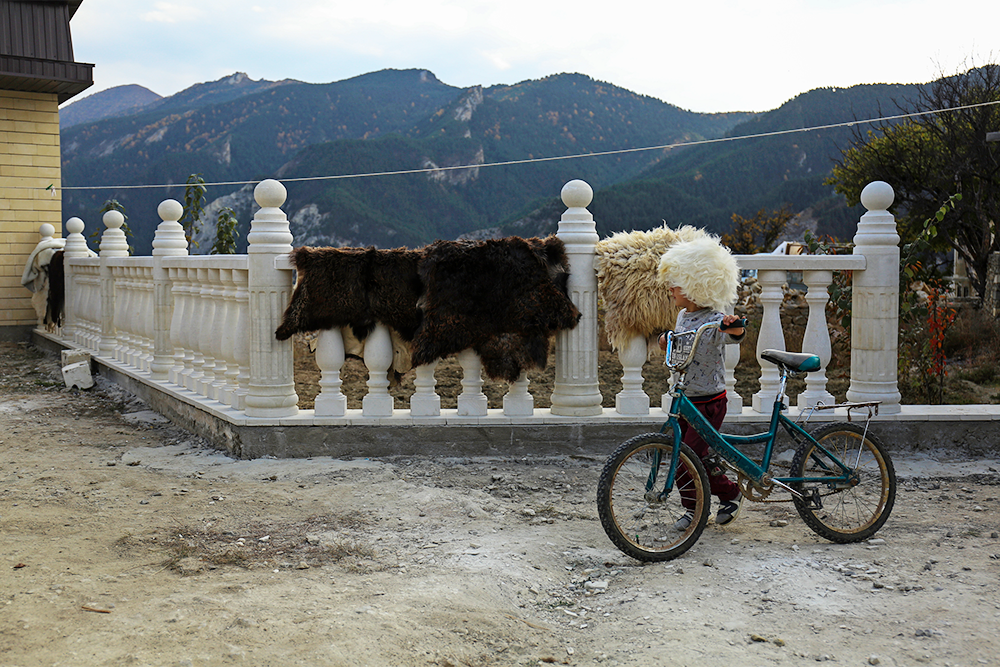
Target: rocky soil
126 541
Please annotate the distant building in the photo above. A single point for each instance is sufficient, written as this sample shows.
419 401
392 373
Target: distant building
37 74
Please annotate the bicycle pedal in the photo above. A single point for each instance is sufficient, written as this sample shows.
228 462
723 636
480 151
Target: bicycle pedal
813 501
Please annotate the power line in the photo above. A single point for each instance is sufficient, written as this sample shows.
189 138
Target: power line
507 163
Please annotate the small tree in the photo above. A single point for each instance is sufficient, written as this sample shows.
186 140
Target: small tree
194 206
225 233
757 234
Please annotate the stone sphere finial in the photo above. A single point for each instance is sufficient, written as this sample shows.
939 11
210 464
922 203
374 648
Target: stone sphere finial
270 193
577 194
74 226
877 196
113 219
45 230
170 210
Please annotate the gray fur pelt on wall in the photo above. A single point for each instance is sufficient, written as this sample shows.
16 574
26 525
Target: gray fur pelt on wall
636 301
503 298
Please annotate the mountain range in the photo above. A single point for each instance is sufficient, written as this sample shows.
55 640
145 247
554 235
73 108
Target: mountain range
467 156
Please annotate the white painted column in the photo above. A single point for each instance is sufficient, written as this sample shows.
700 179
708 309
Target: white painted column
331 401
632 400
817 338
771 337
577 389
113 244
875 303
272 364
518 401
168 241
76 246
425 401
378 402
472 401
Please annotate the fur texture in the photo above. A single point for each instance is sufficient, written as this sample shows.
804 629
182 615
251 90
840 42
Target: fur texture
636 302
353 287
503 298
705 271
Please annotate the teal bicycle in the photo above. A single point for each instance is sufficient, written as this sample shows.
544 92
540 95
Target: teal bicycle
841 479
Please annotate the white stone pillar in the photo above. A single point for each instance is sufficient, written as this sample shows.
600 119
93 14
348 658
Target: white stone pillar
817 338
168 241
577 389
76 246
425 401
330 402
632 400
113 244
272 364
378 402
472 401
875 303
771 336
518 401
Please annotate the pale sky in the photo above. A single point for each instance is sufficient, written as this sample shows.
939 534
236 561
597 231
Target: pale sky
727 55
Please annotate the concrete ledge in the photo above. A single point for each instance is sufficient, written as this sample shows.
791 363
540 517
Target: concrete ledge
963 429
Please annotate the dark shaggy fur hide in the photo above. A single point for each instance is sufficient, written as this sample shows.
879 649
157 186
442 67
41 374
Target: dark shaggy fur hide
503 298
353 287
57 292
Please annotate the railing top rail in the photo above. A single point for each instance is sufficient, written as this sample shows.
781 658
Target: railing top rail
206 262
802 262
145 261
83 261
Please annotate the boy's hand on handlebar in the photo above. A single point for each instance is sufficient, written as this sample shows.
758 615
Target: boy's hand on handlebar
733 325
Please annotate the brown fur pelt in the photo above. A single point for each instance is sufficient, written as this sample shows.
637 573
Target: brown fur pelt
636 301
55 300
503 298
353 287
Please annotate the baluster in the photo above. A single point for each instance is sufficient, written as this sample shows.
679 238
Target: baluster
178 292
228 372
817 337
207 337
241 352
189 327
472 401
771 337
330 402
518 401
378 358
218 338
195 329
632 400
425 401
122 303
146 321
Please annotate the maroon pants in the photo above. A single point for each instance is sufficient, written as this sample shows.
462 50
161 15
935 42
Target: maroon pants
721 486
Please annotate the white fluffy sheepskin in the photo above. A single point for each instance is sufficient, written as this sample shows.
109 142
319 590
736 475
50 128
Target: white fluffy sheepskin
705 271
636 302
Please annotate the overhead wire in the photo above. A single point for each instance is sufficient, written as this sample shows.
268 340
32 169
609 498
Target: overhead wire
555 158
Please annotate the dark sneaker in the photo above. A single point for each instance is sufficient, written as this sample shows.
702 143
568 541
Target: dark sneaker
728 511
682 523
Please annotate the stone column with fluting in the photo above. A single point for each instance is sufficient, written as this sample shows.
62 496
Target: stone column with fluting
113 244
168 241
875 303
272 367
577 390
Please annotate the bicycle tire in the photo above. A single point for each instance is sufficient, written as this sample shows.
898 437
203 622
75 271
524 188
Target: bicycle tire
849 513
641 527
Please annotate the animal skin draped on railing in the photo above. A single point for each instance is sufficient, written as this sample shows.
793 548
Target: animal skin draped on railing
205 324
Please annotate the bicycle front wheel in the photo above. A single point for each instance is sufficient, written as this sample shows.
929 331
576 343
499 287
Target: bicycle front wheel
844 511
640 519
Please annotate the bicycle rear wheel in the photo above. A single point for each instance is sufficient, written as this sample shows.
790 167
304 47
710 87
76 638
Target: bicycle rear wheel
845 511
635 517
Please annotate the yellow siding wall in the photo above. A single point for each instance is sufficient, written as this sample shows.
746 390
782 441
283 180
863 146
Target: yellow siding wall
29 162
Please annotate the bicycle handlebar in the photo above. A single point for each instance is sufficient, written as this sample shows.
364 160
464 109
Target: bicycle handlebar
697 333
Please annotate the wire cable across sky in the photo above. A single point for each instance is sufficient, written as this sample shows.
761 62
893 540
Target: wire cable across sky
507 163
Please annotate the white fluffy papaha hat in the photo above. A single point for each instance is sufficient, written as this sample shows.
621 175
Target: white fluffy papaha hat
705 271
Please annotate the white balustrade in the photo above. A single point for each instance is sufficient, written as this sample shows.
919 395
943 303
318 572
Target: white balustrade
206 323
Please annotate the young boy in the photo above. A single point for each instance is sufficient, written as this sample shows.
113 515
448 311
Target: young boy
703 278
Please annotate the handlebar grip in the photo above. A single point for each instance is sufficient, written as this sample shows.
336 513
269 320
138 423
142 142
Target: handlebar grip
738 324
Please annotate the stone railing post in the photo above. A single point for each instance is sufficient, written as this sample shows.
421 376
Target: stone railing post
113 244
817 337
577 390
771 337
76 246
272 372
875 303
168 241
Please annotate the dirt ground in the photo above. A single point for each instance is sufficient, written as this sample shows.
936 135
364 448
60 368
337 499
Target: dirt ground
126 541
